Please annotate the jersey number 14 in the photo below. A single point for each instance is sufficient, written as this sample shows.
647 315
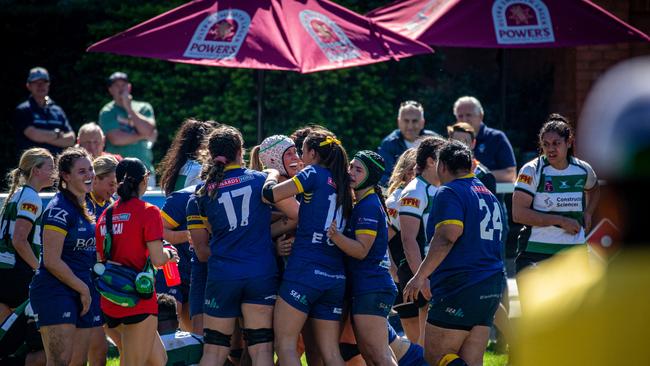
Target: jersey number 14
493 216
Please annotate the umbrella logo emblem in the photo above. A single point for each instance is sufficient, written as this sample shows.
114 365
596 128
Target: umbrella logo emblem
329 37
426 13
522 22
223 31
219 36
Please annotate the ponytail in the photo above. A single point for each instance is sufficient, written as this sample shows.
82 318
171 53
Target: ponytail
14 178
225 145
128 188
255 162
215 174
333 156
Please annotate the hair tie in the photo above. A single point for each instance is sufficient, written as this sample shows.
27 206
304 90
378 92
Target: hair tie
330 140
220 159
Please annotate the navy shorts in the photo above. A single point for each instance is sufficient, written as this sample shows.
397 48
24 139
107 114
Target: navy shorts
374 303
64 309
223 298
180 292
469 307
197 287
324 302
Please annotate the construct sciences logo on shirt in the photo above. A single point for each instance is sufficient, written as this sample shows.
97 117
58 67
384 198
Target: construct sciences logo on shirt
220 35
329 37
522 22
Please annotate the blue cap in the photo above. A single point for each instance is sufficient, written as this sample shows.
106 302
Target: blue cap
38 73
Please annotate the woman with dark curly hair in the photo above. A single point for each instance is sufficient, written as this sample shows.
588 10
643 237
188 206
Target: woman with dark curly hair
181 167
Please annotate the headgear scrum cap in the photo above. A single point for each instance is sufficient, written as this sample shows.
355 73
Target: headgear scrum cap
272 151
374 165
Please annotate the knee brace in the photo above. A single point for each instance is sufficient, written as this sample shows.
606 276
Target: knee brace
257 336
451 359
215 337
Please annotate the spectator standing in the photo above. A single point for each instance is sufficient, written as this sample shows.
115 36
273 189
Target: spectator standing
410 126
492 146
129 125
38 121
91 137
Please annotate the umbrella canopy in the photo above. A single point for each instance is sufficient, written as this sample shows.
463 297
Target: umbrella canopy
505 23
303 36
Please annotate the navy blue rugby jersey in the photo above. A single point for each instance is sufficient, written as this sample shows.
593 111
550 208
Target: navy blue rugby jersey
240 244
371 273
476 255
78 252
317 211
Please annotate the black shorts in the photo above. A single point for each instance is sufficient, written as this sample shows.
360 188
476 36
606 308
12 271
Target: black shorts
127 320
409 309
15 286
469 307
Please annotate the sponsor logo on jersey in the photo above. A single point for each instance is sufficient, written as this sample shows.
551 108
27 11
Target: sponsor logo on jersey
366 220
58 214
118 228
308 171
480 189
409 201
392 212
337 310
580 183
564 184
85 244
331 182
234 181
211 303
67 314
548 184
526 179
29 207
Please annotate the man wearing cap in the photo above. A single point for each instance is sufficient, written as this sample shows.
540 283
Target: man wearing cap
129 125
38 121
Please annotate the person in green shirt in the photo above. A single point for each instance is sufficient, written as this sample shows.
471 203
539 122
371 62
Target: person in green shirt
183 348
129 125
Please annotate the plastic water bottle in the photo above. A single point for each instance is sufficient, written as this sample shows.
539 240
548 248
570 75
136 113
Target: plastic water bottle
172 276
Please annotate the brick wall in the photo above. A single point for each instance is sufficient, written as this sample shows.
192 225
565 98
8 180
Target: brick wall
592 61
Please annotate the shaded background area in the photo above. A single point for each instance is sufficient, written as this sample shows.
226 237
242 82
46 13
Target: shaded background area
358 104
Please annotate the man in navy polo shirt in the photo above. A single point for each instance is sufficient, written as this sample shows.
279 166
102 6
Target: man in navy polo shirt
492 147
38 121
410 123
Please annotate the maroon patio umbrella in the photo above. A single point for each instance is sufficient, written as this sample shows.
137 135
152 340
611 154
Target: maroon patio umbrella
303 36
505 23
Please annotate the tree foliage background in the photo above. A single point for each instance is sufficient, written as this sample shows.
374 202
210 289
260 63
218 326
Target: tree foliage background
358 104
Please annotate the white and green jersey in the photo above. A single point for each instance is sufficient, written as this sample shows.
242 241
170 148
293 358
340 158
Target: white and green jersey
183 348
417 200
24 204
392 206
559 192
189 175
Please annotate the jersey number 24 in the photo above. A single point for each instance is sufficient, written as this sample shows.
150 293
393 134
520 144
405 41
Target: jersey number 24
493 216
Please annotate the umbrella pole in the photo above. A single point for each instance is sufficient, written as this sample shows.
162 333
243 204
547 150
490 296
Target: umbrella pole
503 82
260 100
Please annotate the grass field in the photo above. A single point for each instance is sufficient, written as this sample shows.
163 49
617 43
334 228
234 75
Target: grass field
490 359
